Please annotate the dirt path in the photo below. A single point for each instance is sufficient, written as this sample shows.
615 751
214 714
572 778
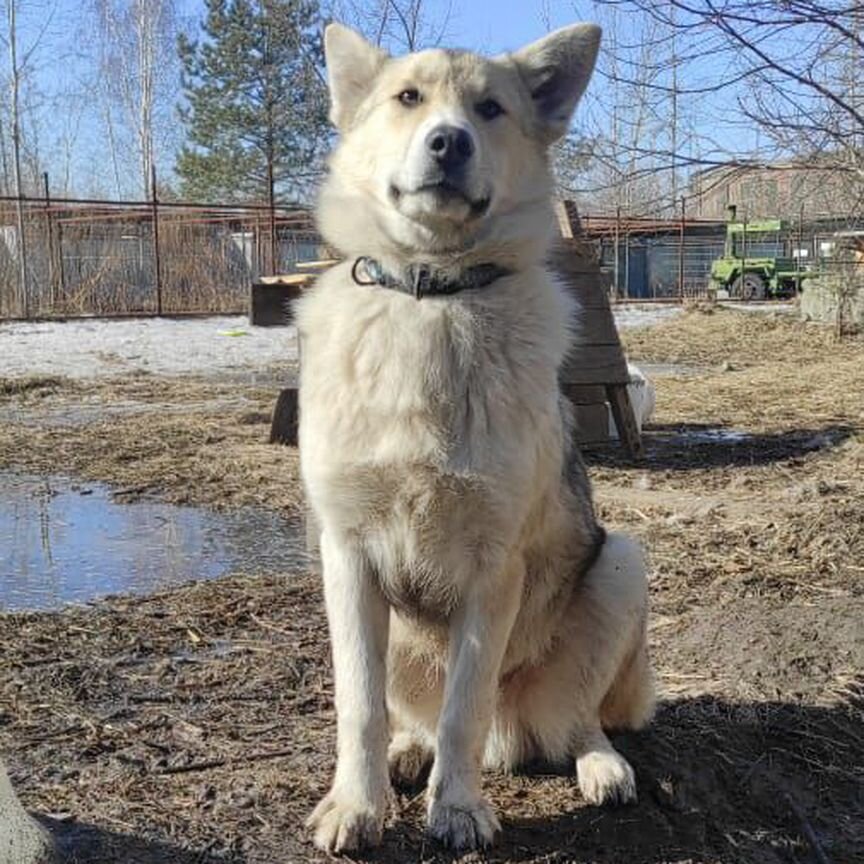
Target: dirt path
197 725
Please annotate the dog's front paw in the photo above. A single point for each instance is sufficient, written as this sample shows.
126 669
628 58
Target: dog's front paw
344 824
605 777
463 826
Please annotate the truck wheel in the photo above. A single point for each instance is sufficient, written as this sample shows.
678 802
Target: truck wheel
749 287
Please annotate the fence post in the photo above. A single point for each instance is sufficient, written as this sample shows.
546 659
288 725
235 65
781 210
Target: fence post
617 248
800 245
681 251
49 224
271 194
157 263
21 244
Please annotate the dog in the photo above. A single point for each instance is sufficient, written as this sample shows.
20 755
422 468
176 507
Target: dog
478 613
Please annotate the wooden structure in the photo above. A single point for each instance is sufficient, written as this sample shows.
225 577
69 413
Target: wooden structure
594 376
270 303
272 296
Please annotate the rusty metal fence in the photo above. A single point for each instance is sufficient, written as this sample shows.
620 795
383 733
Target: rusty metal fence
651 259
92 257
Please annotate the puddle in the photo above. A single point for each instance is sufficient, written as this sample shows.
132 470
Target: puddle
64 542
717 435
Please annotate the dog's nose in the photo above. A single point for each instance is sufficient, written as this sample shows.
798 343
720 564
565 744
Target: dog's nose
450 146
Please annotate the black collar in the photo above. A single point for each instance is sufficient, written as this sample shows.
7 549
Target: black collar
422 280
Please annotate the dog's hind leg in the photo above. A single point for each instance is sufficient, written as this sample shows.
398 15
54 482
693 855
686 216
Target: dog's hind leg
409 756
598 674
629 704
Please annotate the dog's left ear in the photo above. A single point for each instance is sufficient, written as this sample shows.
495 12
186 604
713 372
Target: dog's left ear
352 64
556 70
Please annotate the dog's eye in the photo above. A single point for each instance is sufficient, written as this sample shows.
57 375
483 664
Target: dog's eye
410 97
489 109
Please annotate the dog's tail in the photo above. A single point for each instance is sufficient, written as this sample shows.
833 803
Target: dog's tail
630 701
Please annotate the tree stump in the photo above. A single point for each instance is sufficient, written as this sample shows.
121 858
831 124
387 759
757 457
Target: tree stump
286 418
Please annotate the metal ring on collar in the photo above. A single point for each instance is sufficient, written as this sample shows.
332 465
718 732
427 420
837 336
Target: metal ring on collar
362 260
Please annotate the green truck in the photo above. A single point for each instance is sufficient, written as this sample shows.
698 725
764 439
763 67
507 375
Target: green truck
754 264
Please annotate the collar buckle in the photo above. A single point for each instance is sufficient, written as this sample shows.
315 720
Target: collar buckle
421 279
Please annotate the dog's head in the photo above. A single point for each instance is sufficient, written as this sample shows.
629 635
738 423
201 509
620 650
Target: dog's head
444 153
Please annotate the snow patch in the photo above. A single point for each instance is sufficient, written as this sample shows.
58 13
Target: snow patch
95 348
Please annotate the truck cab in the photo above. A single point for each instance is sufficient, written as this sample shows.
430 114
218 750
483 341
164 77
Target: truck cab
756 263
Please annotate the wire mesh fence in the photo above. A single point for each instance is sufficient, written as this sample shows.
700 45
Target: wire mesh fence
649 259
90 257
141 258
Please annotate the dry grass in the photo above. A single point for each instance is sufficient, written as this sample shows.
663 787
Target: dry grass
185 440
709 334
197 725
41 384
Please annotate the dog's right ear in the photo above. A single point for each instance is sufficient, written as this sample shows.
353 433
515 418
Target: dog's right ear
556 70
352 64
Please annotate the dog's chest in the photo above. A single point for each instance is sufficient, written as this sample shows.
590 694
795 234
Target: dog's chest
421 426
424 533
407 382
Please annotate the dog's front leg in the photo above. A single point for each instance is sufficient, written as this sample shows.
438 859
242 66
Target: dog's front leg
351 815
458 814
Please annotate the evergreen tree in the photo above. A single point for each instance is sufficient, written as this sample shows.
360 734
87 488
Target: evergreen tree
256 103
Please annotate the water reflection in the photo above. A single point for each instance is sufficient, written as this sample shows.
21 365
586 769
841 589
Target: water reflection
61 542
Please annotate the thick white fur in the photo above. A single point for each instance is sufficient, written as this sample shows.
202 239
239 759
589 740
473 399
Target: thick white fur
467 621
643 399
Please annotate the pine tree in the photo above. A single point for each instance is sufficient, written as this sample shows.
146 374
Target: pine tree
256 104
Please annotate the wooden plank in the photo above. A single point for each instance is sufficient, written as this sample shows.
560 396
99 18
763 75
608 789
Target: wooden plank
596 375
568 218
584 394
594 364
592 423
595 325
625 422
584 286
564 225
288 279
323 264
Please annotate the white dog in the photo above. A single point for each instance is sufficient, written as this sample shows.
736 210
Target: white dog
477 611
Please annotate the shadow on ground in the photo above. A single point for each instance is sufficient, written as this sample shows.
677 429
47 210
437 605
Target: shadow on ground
766 782
719 782
690 446
79 843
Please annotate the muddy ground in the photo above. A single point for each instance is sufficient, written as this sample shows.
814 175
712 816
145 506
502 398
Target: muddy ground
197 725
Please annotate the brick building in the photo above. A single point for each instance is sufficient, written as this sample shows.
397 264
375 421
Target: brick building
781 190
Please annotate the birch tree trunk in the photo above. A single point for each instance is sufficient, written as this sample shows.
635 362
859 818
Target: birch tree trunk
14 93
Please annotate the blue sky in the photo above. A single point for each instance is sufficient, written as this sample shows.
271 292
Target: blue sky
72 140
